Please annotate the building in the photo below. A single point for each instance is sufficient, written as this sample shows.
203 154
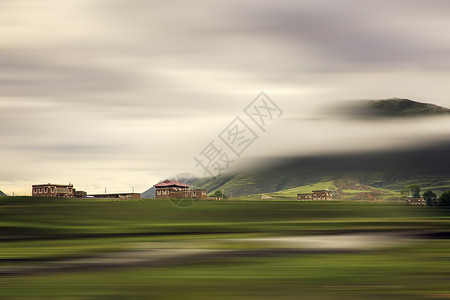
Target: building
117 196
176 190
304 197
418 201
316 195
52 190
170 189
322 195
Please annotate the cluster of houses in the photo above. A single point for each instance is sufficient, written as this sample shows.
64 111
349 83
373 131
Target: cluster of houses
316 196
171 189
68 191
167 189
164 190
416 201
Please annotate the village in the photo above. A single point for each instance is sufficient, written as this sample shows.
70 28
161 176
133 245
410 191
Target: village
172 189
167 189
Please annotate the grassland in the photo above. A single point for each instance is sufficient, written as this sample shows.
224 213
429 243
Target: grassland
150 249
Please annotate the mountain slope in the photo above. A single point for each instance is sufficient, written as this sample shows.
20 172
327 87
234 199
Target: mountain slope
390 170
343 189
149 194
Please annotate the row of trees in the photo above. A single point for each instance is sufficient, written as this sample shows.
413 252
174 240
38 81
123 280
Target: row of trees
429 196
433 200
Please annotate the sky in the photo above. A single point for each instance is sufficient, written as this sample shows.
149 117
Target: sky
120 94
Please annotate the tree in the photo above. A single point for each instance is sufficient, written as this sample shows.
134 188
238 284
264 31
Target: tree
218 195
405 192
412 190
415 190
430 198
444 199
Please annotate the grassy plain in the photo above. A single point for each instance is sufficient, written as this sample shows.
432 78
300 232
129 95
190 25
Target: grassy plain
146 249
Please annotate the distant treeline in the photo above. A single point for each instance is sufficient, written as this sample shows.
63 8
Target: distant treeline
433 200
429 196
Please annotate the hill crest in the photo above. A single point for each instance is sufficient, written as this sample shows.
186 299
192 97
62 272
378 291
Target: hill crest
404 107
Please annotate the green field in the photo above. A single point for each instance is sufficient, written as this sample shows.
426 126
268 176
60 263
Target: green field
151 249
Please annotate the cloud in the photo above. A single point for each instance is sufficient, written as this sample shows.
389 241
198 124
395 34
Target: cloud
78 77
343 35
349 35
25 73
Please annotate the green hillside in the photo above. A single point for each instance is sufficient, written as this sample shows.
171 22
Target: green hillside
368 176
343 189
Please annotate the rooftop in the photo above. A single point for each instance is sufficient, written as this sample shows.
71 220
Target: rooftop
51 184
167 183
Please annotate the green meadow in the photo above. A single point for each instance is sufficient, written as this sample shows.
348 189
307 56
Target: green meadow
152 249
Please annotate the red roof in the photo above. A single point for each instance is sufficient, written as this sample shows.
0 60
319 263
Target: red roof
168 182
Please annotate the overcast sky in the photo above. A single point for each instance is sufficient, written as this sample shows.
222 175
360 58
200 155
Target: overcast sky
124 93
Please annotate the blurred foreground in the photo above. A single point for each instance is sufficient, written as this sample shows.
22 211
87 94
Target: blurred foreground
149 249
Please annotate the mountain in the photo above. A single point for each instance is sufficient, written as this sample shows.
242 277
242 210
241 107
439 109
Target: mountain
404 107
149 194
390 108
351 175
382 171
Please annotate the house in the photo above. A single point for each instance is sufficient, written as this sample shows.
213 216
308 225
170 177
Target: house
177 190
304 197
52 190
117 196
417 201
316 195
322 195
